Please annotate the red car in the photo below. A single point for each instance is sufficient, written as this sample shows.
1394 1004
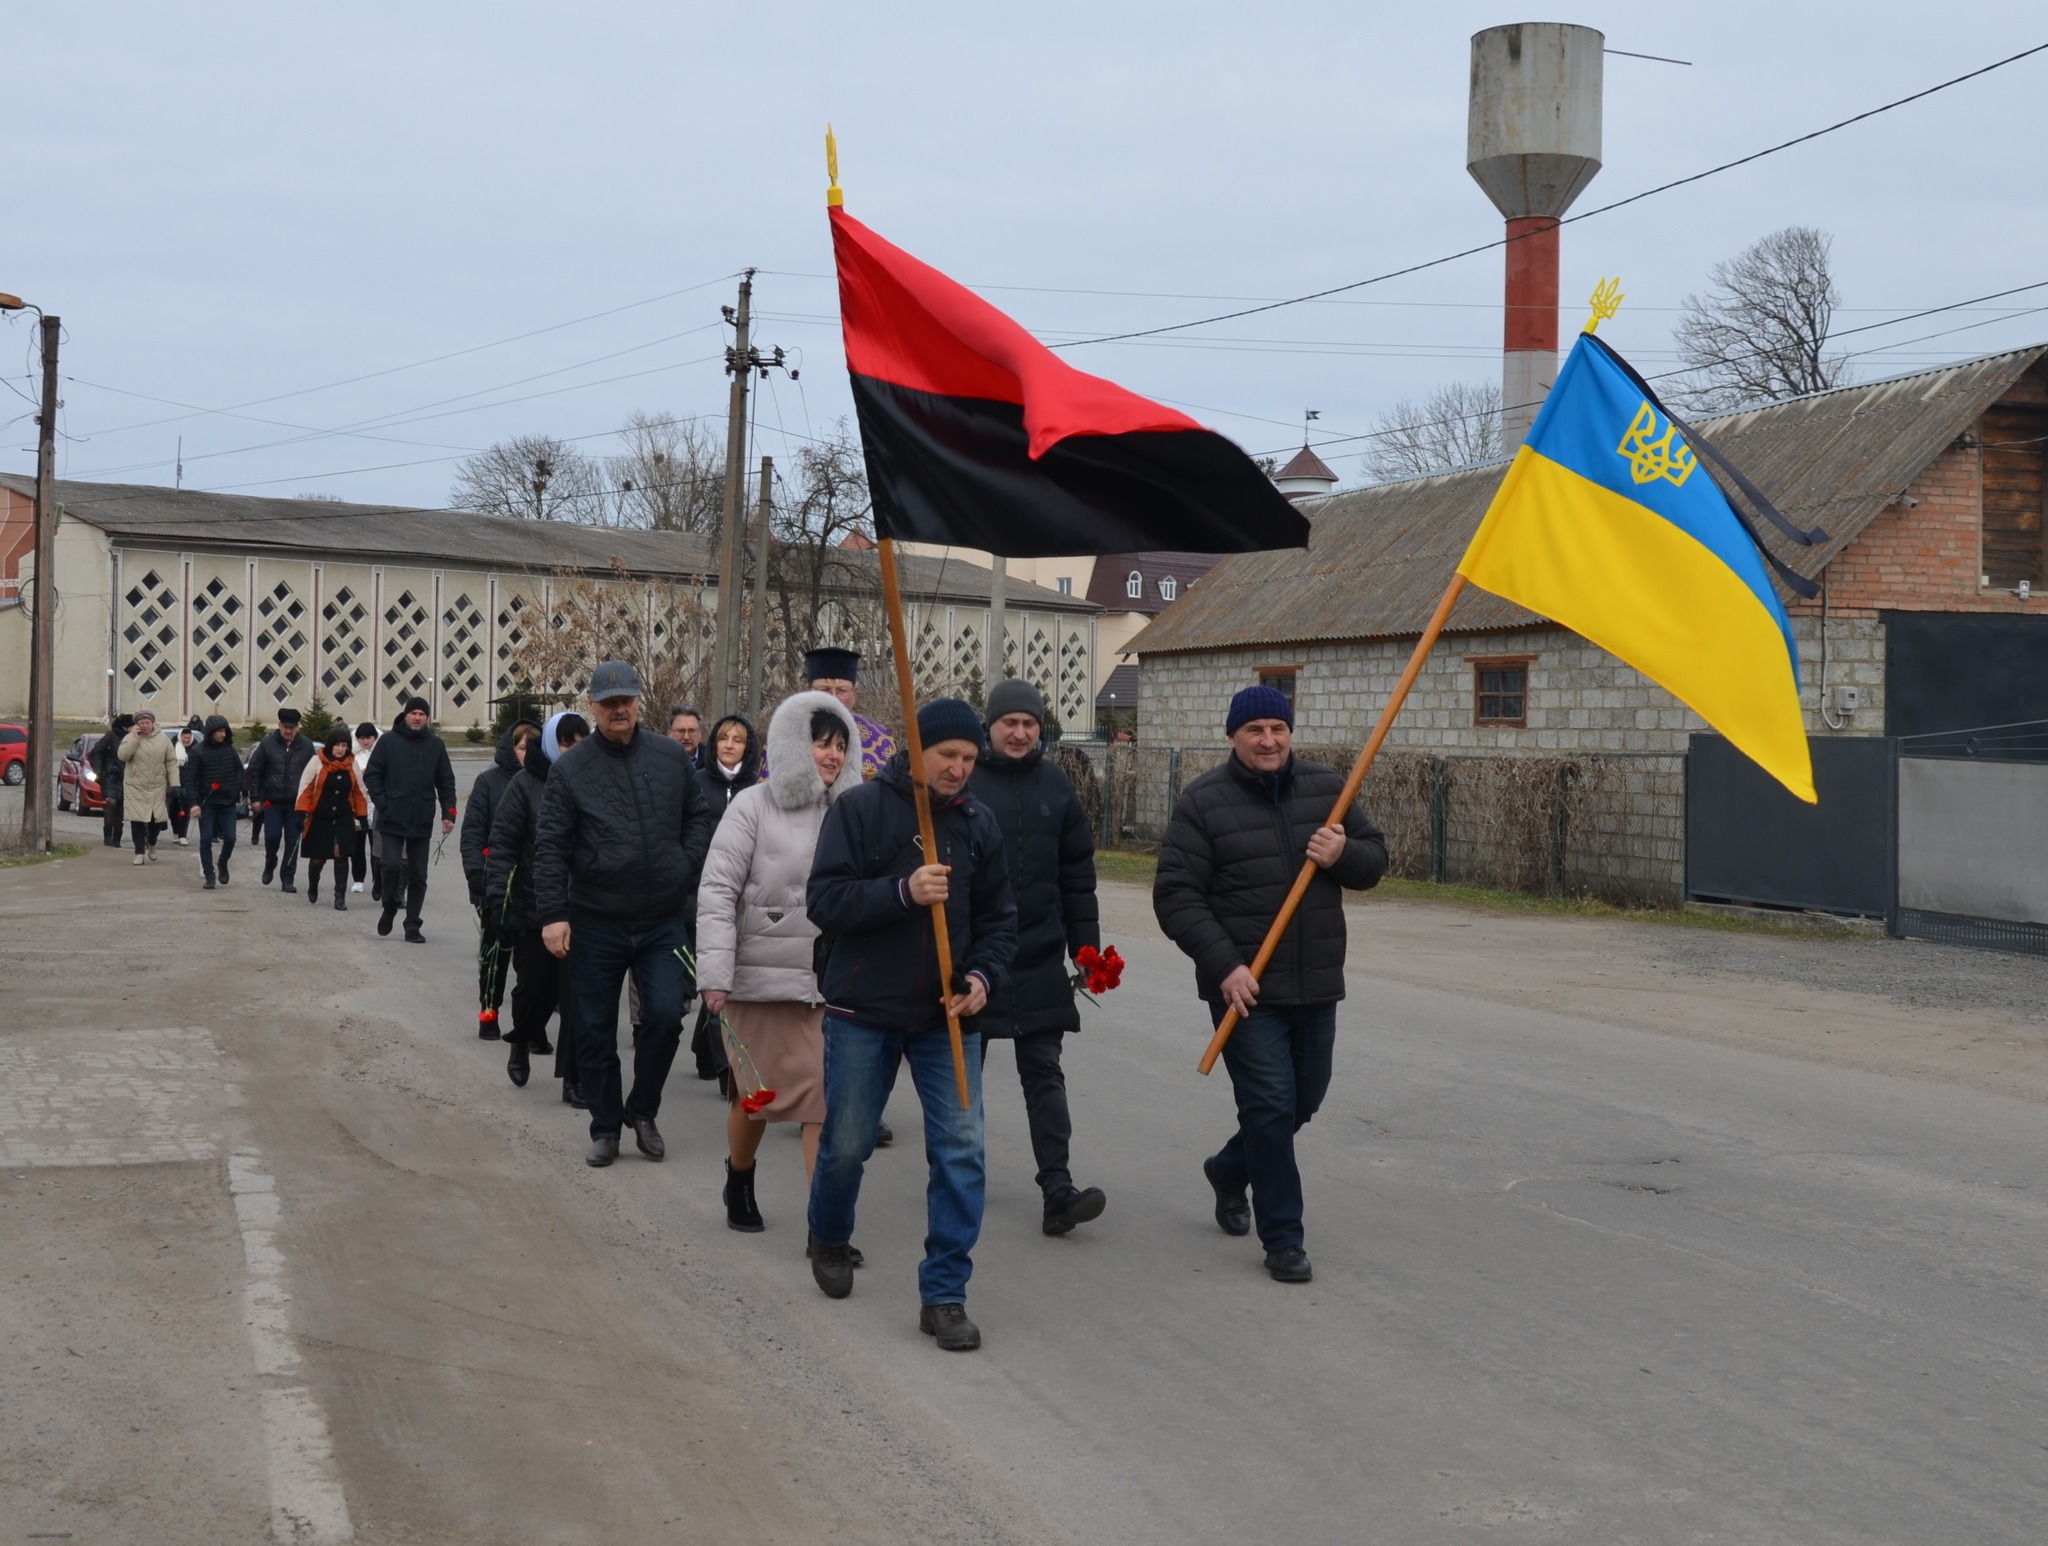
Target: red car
77 784
13 754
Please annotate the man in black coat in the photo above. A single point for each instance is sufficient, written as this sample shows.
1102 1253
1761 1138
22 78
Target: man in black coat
275 767
494 948
1237 839
622 833
871 895
410 780
112 774
213 782
1051 859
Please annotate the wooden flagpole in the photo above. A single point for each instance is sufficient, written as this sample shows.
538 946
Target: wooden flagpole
899 645
1345 796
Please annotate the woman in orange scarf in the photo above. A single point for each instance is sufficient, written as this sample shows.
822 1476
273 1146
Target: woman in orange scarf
332 801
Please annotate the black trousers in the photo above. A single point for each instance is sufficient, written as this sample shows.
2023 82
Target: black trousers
144 833
181 815
281 826
536 995
494 963
405 858
110 817
1045 1104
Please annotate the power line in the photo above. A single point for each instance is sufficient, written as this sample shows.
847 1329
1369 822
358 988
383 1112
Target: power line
1633 198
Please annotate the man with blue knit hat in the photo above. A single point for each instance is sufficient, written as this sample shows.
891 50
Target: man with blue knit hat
871 894
1237 840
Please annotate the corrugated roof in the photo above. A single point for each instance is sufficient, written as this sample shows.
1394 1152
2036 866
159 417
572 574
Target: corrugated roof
399 534
1379 558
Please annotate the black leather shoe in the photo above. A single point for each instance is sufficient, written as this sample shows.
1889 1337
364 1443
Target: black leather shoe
223 872
948 1323
209 884
1233 1208
540 1046
572 1095
312 893
516 1066
341 899
269 873
853 1252
647 1136
487 1028
602 1151
384 920
830 1268
289 889
413 936
1289 1265
741 1211
883 1136
1065 1209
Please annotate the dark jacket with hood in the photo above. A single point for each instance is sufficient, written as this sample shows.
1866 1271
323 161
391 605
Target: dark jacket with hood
622 832
508 869
275 768
213 769
1236 841
480 813
1051 859
411 781
106 760
718 789
881 965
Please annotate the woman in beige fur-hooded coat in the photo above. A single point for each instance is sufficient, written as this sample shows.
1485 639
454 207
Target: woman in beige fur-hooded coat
754 940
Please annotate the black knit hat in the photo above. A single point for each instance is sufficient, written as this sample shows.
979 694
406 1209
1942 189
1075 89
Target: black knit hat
417 704
1014 695
948 719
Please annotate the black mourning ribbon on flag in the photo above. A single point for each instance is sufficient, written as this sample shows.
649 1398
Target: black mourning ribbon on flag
1798 583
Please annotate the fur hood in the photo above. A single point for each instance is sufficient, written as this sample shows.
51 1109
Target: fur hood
792 776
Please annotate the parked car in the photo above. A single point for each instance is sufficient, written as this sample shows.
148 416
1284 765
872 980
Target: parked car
13 754
77 784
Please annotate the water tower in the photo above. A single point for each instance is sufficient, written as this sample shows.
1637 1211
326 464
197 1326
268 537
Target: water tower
1533 143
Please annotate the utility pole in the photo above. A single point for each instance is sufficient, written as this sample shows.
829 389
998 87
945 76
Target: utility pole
741 361
738 365
35 809
757 631
998 651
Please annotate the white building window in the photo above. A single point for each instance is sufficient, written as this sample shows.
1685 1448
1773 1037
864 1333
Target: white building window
1134 587
1065 583
1169 588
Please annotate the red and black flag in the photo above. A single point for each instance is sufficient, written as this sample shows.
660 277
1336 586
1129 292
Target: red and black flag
979 436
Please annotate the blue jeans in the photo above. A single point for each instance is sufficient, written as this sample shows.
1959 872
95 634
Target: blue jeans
1279 1063
860 1070
282 823
601 952
216 821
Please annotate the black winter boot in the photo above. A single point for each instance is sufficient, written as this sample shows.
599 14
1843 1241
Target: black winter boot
741 1213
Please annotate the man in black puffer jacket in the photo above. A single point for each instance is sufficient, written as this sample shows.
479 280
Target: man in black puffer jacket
1238 837
1051 859
411 780
871 894
623 829
275 767
213 782
493 950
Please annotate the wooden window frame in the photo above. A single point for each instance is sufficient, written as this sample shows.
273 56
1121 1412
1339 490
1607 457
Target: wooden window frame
1284 678
1481 664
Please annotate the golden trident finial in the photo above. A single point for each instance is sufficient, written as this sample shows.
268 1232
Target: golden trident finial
1605 300
835 197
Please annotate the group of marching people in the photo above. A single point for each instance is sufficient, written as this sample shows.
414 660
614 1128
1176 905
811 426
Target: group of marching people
362 801
785 886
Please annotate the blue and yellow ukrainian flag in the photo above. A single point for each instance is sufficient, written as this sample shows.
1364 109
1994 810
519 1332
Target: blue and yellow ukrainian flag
1607 524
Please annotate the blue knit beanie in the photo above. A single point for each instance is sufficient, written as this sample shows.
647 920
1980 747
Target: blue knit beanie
1260 702
948 719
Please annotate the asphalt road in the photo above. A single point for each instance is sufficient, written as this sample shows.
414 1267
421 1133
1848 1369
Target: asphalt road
1587 1269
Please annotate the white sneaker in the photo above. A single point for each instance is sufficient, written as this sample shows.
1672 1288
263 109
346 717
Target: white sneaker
184 842
357 888
140 860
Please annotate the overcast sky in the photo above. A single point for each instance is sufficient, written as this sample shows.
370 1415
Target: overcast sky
232 203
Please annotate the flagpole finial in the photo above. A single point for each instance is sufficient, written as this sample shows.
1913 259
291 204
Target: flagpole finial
1605 300
835 196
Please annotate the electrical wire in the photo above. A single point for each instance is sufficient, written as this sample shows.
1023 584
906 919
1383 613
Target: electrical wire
1621 203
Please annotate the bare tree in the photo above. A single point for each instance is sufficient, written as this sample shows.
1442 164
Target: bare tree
1759 334
661 626
531 477
670 477
1454 426
821 590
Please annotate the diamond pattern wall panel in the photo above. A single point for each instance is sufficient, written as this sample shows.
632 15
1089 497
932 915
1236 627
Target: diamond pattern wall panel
408 640
217 639
281 640
345 650
1076 693
149 641
464 661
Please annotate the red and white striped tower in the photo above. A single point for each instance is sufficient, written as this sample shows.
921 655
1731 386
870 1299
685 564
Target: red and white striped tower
1533 143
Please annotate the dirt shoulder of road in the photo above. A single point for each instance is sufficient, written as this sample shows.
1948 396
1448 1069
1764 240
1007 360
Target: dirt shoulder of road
1902 1007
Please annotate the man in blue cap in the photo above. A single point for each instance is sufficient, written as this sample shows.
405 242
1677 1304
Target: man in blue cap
616 853
1237 839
